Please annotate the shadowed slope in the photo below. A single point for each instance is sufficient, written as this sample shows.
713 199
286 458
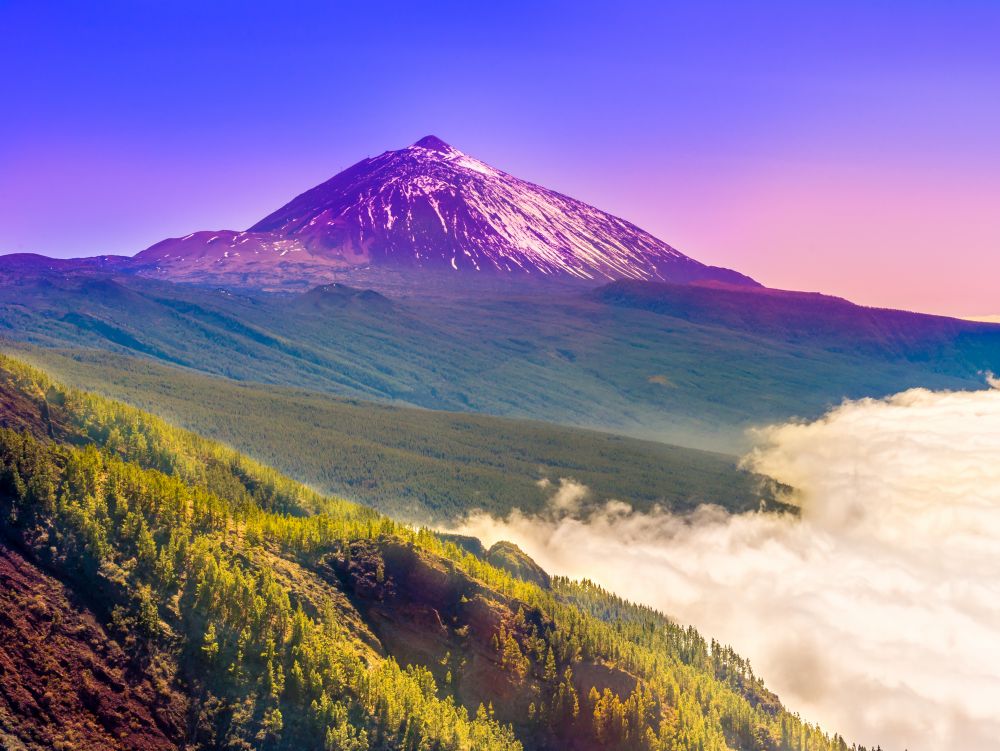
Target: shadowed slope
685 364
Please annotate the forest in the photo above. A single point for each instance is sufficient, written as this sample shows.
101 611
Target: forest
414 464
546 352
289 619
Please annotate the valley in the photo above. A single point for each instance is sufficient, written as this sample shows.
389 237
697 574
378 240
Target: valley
692 375
415 464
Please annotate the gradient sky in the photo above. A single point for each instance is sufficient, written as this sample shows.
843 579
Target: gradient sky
847 147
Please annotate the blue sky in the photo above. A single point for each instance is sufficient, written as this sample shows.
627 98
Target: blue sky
847 147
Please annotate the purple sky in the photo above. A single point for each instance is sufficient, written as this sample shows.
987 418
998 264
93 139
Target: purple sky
847 147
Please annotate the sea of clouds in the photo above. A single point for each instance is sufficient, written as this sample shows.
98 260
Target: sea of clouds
875 612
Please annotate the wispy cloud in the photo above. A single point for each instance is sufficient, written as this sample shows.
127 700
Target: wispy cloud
876 612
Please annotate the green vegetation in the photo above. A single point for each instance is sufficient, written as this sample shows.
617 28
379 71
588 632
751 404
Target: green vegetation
411 463
509 557
259 598
542 352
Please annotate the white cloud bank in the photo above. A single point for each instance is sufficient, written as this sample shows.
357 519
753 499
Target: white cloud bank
877 613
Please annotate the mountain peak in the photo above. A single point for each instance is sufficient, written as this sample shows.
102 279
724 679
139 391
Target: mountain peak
429 206
433 143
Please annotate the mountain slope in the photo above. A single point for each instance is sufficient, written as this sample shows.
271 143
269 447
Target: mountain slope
285 617
414 464
427 206
66 682
696 377
805 318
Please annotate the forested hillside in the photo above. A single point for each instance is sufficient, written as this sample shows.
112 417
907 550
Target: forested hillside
412 463
691 372
265 615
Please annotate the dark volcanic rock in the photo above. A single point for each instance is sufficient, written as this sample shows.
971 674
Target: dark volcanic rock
64 682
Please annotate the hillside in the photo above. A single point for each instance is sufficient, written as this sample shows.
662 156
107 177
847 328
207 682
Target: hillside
66 681
272 617
807 318
411 463
552 352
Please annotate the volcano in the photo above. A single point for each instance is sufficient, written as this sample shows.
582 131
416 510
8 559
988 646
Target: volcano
428 206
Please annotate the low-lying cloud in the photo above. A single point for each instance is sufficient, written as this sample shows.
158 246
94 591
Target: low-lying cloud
876 612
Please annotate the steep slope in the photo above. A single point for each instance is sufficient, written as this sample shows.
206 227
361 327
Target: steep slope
427 206
65 682
289 615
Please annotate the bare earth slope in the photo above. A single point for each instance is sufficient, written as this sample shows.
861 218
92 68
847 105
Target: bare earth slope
64 682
